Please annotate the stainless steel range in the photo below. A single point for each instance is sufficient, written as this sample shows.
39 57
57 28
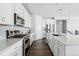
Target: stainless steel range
25 37
26 45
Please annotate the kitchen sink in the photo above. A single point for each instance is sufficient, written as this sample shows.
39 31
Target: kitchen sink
56 35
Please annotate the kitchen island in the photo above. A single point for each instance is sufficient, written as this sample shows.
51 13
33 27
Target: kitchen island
64 45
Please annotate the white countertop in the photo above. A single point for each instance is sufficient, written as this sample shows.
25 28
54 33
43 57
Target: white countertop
5 43
8 42
67 39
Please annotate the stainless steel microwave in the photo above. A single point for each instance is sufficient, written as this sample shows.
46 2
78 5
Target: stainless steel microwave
18 21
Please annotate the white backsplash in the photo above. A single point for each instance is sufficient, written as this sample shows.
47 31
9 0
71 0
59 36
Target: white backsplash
2 34
4 28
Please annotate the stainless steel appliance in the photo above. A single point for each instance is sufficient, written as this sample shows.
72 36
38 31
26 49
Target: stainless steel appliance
26 45
19 21
25 37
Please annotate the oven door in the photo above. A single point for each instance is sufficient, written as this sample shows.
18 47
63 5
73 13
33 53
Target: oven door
26 45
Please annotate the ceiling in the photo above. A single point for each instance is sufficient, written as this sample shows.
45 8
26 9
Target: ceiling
53 9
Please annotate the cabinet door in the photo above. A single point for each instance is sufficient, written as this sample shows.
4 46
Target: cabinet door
47 36
61 49
6 13
14 53
11 51
55 48
19 9
52 44
19 48
49 41
27 18
19 51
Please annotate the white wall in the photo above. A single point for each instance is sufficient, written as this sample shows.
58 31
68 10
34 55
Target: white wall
38 27
73 24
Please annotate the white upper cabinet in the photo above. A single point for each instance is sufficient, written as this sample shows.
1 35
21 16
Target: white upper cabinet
27 18
22 12
19 9
6 13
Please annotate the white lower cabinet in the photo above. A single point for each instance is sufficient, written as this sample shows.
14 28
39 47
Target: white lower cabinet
55 48
11 51
14 50
19 51
58 48
19 48
72 50
61 49
51 43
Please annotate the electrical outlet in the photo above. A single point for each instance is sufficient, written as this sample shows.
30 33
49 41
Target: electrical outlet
3 19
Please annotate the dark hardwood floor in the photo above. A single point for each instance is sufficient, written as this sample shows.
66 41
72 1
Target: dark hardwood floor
39 48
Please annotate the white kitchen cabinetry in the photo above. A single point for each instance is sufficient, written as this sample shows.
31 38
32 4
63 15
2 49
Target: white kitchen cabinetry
50 42
47 36
61 49
13 50
52 45
22 12
55 48
72 50
19 51
9 51
27 18
6 13
19 48
19 9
